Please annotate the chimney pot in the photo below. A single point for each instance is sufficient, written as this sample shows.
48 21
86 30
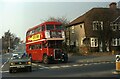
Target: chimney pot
113 5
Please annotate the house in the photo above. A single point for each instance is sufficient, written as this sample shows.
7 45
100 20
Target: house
98 30
0 45
119 4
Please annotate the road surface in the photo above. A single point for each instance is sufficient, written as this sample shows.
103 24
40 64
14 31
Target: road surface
78 66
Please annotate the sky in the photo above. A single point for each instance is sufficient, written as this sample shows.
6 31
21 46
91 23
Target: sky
18 16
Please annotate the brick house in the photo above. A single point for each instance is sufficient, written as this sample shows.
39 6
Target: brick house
119 4
98 30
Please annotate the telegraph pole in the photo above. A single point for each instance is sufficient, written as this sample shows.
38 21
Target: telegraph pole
9 44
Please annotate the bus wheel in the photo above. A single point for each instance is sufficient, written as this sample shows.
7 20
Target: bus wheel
45 59
65 58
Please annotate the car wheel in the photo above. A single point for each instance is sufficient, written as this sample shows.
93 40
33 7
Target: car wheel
45 59
29 69
10 70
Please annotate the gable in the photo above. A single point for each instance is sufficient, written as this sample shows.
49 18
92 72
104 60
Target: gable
97 13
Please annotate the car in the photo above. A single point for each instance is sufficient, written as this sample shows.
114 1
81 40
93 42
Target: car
20 60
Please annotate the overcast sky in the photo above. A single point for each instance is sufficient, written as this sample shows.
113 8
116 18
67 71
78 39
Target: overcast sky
19 16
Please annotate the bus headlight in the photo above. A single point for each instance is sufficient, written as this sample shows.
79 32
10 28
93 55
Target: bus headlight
47 34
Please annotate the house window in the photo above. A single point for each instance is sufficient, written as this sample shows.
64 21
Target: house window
80 26
115 26
97 25
71 43
73 29
116 42
94 42
119 26
68 41
77 44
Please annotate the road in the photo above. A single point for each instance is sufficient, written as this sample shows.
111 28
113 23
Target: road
78 66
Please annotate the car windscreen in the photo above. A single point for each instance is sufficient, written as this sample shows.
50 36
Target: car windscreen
19 56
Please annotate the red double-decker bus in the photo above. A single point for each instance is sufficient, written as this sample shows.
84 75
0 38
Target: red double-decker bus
44 42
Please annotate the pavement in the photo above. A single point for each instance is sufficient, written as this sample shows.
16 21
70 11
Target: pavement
92 59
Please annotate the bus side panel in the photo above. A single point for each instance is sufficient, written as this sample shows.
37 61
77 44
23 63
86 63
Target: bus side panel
40 55
44 51
27 49
50 52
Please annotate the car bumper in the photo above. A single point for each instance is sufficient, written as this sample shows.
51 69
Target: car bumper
20 66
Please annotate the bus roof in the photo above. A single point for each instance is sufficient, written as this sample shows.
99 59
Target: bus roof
47 22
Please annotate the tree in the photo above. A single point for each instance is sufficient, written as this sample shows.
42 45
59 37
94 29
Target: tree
9 41
63 20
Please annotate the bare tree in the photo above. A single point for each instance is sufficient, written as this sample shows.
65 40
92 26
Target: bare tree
63 20
9 41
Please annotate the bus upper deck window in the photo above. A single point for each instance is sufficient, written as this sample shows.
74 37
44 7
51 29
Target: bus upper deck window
59 27
43 28
28 33
49 27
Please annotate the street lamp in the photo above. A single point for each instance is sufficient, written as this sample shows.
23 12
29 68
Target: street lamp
9 45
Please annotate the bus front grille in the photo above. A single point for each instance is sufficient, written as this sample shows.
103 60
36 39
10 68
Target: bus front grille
57 54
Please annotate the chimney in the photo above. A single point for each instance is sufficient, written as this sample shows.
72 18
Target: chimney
113 5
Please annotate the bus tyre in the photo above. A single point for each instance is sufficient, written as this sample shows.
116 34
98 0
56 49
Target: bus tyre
65 58
45 59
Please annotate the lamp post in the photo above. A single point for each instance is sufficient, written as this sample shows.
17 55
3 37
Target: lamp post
9 45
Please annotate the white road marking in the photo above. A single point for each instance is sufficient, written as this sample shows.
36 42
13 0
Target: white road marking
45 67
54 67
81 65
95 63
89 64
103 62
112 62
85 64
41 68
5 63
4 71
65 66
107 62
34 64
76 65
